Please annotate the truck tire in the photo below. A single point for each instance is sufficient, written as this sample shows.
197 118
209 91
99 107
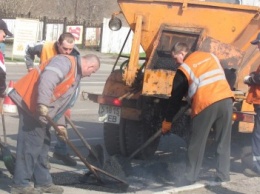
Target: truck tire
181 127
111 138
136 134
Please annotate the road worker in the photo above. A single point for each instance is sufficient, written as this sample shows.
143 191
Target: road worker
253 81
50 89
45 51
201 78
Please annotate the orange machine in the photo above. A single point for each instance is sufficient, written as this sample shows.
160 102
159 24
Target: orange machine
135 95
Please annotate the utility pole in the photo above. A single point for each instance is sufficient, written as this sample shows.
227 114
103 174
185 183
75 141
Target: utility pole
75 11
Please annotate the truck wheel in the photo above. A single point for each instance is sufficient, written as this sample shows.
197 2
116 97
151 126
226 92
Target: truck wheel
111 138
181 127
136 134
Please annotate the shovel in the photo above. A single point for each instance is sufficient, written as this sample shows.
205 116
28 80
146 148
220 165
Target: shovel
8 158
92 168
158 133
91 149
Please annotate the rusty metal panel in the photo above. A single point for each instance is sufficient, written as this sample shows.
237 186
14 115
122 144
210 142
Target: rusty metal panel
224 22
229 56
158 82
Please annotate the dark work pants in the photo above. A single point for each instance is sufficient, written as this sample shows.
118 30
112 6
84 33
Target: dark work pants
60 147
219 117
256 140
33 144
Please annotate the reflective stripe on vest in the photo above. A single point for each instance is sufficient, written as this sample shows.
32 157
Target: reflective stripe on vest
56 70
204 79
26 87
204 74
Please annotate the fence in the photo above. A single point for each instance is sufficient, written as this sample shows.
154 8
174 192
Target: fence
96 36
86 35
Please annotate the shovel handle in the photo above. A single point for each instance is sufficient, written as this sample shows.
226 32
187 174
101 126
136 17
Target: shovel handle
88 165
158 133
82 138
4 128
92 168
3 119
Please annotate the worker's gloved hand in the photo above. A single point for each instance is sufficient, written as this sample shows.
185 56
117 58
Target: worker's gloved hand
63 134
30 69
166 127
248 80
42 109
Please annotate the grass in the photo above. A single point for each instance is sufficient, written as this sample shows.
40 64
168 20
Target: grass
141 55
9 59
17 59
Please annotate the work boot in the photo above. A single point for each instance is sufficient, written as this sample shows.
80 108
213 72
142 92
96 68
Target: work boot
183 182
25 190
66 159
50 189
251 173
217 181
48 165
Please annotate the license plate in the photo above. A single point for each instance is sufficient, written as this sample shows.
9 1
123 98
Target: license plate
109 114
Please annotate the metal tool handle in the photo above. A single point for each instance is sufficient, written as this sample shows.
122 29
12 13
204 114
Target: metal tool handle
88 165
92 168
93 152
3 120
158 133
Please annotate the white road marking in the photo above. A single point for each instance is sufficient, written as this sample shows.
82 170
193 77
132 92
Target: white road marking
76 140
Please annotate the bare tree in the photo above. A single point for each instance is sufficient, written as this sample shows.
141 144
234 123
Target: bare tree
91 11
18 6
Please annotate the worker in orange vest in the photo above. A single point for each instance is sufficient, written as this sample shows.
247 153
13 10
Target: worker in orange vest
201 78
253 97
49 89
45 51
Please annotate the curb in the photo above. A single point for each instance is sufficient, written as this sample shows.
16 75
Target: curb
180 189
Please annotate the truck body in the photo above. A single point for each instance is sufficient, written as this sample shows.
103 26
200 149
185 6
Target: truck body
135 94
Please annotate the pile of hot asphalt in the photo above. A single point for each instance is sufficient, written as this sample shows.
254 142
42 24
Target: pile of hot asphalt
165 167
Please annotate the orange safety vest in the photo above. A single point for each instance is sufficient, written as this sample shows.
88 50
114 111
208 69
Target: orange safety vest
27 87
206 79
48 51
253 96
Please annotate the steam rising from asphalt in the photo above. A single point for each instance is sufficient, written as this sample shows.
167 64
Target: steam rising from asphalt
166 167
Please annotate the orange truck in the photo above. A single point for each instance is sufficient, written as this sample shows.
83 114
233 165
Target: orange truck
135 94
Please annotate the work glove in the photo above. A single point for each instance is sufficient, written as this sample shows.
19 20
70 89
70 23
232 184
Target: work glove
62 134
166 127
30 69
248 80
42 109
